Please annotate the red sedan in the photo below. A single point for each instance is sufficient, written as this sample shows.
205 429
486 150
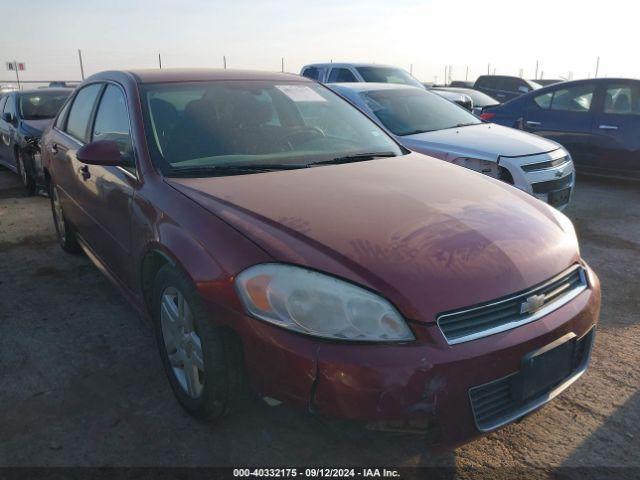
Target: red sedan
273 233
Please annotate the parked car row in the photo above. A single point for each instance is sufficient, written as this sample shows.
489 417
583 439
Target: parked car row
276 234
597 120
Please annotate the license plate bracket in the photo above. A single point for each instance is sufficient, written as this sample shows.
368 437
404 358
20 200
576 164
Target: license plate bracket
559 197
542 369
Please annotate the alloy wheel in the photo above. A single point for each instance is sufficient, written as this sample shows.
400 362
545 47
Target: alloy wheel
182 342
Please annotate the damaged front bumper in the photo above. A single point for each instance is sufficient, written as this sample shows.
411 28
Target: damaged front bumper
419 386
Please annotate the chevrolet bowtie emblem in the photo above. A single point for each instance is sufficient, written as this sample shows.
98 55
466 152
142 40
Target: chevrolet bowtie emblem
532 304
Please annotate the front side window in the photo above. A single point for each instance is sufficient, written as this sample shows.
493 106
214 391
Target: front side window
112 122
573 99
387 75
224 124
338 75
80 113
10 106
622 99
41 105
410 111
544 100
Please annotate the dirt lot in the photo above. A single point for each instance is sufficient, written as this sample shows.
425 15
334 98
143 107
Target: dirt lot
82 384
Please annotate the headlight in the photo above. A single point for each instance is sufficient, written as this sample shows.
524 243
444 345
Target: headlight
316 304
566 225
487 167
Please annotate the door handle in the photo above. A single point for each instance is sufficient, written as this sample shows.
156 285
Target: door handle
54 148
608 127
84 172
531 123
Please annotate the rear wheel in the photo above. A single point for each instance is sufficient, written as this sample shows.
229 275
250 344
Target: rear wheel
203 362
64 230
23 163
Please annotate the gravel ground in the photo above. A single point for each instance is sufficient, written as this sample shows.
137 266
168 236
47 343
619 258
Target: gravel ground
82 384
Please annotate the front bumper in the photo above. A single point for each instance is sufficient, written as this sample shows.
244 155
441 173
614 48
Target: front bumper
545 183
426 382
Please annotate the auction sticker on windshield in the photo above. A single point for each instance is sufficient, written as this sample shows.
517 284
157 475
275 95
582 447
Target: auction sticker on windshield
300 93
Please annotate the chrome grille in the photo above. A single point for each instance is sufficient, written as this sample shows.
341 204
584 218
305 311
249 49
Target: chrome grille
532 167
513 311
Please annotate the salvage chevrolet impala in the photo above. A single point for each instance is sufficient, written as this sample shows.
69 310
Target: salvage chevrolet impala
273 233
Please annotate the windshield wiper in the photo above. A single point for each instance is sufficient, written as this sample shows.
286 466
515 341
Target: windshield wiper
466 124
357 157
222 169
415 132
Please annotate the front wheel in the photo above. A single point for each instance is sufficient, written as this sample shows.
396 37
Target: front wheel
64 231
23 163
203 362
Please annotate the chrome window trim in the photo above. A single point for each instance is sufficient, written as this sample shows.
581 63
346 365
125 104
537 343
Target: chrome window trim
542 399
554 305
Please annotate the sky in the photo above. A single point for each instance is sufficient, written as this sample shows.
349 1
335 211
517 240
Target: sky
565 37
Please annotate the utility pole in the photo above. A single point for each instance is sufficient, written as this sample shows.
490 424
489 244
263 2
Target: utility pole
445 75
81 66
489 68
15 67
224 62
597 67
466 75
536 77
159 61
411 69
282 65
494 70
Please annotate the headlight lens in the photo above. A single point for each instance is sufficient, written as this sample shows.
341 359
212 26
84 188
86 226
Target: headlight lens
487 167
316 304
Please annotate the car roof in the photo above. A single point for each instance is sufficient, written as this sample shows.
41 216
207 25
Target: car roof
44 89
170 75
372 86
555 86
349 64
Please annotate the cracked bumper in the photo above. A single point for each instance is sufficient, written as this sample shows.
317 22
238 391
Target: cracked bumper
425 382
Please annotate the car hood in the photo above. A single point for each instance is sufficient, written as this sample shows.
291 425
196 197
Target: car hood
37 126
427 235
485 141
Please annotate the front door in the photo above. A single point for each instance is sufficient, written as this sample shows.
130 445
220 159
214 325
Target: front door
107 192
565 115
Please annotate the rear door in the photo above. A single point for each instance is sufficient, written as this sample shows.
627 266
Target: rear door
66 169
616 130
565 115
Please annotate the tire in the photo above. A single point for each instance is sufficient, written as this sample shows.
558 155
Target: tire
214 390
64 230
26 177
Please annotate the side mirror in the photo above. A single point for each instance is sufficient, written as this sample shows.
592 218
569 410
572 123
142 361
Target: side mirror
101 152
7 117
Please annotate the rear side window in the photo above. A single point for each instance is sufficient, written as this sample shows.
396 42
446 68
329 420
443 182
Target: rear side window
573 99
622 99
311 72
112 122
486 82
341 75
80 113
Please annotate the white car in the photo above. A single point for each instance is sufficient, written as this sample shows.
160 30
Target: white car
426 123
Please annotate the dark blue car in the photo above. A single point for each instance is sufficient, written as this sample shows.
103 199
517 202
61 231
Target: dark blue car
597 120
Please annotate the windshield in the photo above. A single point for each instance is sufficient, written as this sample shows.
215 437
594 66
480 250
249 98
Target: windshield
41 105
410 111
203 125
387 75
